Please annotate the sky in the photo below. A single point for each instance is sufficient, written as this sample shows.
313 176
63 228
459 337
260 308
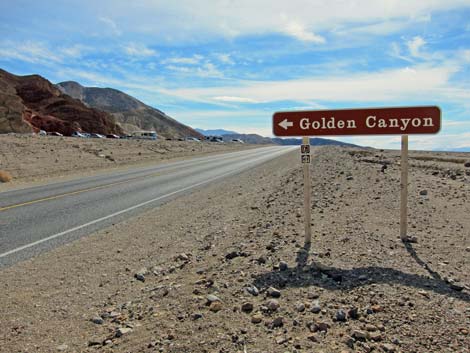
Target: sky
232 64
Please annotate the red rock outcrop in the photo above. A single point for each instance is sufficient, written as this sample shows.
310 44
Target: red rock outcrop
30 103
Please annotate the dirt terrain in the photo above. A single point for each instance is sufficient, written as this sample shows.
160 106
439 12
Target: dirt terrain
30 158
225 268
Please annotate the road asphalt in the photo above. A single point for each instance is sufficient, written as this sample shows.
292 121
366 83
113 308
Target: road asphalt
35 220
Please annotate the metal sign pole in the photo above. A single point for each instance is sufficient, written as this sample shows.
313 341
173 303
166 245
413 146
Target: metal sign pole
307 194
404 188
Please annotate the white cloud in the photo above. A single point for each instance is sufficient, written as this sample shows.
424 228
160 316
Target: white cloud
28 51
415 45
234 99
138 50
225 58
111 25
185 20
299 32
383 86
193 60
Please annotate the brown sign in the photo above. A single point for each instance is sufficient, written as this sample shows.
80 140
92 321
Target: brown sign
371 121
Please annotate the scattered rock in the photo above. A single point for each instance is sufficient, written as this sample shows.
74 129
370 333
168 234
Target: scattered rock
273 292
375 336
252 290
467 165
140 275
457 287
359 335
212 298
277 322
257 318
215 306
247 307
97 320
340 315
272 304
62 347
196 316
283 266
121 331
353 313
300 307
423 192
315 308
182 257
387 347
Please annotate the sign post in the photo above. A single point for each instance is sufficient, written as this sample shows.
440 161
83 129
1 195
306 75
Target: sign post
369 121
404 188
305 158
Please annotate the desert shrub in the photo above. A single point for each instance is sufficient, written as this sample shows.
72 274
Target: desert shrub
5 177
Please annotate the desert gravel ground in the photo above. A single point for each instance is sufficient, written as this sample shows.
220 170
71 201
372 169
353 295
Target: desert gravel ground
33 158
225 268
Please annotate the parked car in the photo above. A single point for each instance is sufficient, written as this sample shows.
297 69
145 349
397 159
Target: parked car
237 141
42 133
54 133
97 136
192 139
78 134
216 139
144 135
112 136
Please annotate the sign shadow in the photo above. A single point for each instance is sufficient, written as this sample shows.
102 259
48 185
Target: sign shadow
333 278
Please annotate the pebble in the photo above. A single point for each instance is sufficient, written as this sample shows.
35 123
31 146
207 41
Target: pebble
215 306
273 292
349 177
62 347
467 165
313 295
97 320
360 335
315 309
247 307
375 336
353 313
196 316
340 315
121 331
283 266
300 307
140 275
253 290
212 298
272 304
257 318
182 257
277 322
387 347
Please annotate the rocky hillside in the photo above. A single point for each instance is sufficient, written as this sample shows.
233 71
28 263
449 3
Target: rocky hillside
30 103
131 113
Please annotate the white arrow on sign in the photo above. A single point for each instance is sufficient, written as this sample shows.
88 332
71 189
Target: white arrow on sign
286 124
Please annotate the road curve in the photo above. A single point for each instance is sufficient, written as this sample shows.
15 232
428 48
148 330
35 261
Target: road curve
34 220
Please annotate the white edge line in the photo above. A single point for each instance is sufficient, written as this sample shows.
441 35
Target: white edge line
120 212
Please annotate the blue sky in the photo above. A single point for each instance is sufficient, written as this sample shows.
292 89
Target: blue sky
232 64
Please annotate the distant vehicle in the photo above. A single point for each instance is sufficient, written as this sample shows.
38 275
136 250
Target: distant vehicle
112 136
144 135
237 141
78 134
42 133
97 136
192 139
54 133
217 139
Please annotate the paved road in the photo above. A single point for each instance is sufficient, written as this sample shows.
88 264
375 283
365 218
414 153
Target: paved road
34 220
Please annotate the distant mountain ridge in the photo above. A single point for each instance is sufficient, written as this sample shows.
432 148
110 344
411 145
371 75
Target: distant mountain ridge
131 113
258 139
215 132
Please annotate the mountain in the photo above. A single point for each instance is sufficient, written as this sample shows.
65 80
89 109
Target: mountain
459 149
32 103
216 132
257 139
131 113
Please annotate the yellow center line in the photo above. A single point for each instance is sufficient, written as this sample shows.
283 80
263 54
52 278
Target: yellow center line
74 192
